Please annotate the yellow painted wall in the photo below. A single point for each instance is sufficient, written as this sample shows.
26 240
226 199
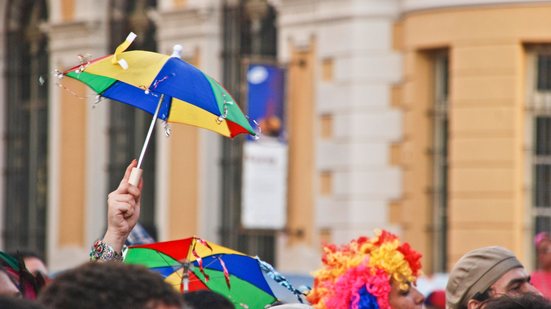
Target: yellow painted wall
184 176
487 74
413 210
184 173
72 175
180 3
300 111
68 10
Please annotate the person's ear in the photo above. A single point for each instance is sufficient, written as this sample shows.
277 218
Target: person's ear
473 304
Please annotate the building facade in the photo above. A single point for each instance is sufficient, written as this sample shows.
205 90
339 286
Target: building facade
473 100
427 119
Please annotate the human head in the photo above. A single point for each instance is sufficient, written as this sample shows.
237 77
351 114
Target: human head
540 237
542 243
27 284
368 273
526 301
33 261
205 299
109 285
18 303
485 273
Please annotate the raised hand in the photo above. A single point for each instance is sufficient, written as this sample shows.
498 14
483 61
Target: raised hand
123 210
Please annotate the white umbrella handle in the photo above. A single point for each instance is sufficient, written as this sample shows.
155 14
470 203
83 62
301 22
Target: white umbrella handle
135 176
136 172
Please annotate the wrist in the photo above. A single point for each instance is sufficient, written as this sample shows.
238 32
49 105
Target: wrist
101 251
115 240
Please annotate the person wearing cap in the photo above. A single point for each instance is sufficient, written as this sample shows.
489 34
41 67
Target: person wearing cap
541 278
368 273
486 273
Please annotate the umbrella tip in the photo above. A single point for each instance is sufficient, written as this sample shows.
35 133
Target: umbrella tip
131 36
177 51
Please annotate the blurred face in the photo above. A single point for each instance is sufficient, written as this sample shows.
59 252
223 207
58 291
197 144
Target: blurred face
7 287
544 254
515 282
35 265
409 299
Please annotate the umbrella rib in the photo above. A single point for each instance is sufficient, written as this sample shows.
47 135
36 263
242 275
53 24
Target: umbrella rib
163 258
167 262
211 262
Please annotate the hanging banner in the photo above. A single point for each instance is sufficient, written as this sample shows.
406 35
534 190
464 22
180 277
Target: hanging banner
265 160
265 97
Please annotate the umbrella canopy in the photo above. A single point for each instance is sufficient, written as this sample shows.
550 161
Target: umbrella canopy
165 86
195 264
189 96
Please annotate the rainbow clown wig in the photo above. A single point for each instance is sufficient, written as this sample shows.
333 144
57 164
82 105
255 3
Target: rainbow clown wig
358 275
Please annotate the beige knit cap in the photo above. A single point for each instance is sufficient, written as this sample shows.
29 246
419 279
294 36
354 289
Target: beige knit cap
475 272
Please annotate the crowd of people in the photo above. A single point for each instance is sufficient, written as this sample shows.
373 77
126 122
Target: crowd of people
376 272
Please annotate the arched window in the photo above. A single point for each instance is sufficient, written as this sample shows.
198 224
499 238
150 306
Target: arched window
127 125
26 129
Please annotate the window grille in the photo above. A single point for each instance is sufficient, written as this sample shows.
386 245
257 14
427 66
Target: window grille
239 42
128 125
539 136
440 161
26 143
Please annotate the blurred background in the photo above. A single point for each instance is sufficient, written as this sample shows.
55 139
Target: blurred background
429 118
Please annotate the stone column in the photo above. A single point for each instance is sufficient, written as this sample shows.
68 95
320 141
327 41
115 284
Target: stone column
355 124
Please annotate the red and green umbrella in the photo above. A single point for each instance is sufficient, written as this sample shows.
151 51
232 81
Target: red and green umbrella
194 264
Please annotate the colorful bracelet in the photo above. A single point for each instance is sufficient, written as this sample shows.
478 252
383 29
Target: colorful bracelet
101 251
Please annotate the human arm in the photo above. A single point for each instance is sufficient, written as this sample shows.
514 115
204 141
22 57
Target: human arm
123 212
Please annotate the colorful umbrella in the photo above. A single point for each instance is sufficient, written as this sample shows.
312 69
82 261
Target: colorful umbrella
194 264
165 86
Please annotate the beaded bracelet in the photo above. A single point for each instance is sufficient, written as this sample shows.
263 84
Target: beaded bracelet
101 251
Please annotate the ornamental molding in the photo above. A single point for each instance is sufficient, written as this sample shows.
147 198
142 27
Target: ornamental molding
80 35
424 5
187 23
303 12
